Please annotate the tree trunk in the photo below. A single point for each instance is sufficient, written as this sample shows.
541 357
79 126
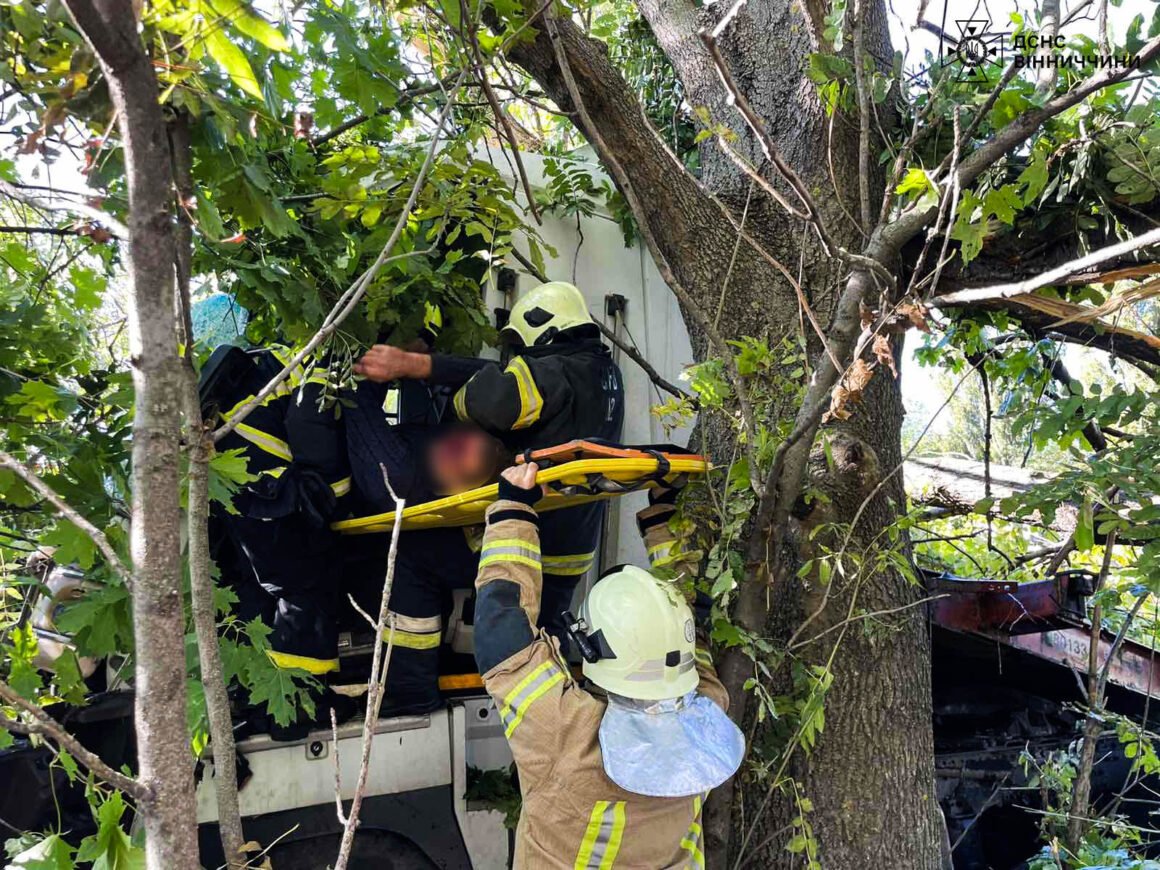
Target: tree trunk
199 447
163 753
871 777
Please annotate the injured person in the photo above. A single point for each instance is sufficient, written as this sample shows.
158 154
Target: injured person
276 550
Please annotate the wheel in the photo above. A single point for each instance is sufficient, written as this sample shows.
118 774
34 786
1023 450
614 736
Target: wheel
373 850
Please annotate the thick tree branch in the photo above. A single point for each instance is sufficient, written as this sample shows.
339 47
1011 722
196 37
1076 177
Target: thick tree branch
43 724
201 587
667 275
163 749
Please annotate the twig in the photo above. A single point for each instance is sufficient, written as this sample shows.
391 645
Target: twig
342 818
353 295
113 225
69 513
47 231
380 664
501 116
45 725
406 97
636 356
1081 791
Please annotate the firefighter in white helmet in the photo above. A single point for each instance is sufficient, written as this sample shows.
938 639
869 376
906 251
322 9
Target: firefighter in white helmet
614 775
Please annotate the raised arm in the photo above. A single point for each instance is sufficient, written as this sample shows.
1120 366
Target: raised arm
521 667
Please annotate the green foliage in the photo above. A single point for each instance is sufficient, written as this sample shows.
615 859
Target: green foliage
245 659
497 790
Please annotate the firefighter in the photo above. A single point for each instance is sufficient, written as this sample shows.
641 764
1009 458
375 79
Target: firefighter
421 463
280 530
561 385
616 775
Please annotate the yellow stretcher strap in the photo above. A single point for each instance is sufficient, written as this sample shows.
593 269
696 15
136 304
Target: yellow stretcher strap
468 508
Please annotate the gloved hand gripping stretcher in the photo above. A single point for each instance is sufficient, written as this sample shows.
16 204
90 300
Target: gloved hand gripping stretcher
575 473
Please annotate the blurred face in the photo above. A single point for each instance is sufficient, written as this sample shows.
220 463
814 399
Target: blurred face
462 459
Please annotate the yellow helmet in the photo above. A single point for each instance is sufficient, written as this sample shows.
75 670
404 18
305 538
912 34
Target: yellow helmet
545 311
640 637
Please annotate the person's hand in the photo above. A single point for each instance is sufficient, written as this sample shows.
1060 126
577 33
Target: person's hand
384 363
518 483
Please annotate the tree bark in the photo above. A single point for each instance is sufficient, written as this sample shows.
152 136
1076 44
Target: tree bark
163 752
199 443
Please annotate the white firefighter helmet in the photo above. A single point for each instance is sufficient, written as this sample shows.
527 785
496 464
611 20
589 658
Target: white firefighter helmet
659 736
545 311
643 630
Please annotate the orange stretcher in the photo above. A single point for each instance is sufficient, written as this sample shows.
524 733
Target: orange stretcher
575 473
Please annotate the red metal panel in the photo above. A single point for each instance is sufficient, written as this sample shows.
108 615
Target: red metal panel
1134 667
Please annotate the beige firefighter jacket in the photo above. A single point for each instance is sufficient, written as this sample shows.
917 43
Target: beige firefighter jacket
573 815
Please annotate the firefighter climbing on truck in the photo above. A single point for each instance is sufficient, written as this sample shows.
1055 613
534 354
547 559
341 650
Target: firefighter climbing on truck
615 775
560 384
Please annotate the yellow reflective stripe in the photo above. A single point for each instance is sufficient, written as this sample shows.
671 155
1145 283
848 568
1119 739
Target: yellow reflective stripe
601 843
306 663
280 392
577 563
511 542
499 558
274 472
703 655
414 640
590 834
460 403
510 550
618 818
527 690
531 402
265 441
662 547
692 840
283 355
540 690
665 553
511 696
341 487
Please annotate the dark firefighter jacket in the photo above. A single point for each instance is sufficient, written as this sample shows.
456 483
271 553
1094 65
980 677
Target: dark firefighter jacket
281 557
546 396
287 432
573 815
